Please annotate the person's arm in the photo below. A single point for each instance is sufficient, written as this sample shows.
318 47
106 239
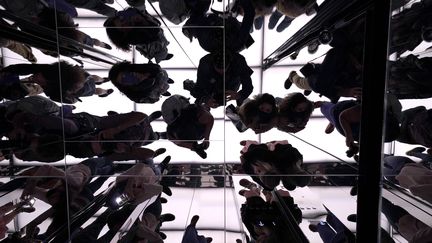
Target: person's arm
346 119
25 69
206 119
43 172
133 154
114 124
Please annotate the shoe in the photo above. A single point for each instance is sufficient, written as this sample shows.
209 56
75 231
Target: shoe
166 94
106 46
274 19
201 153
288 82
415 150
352 218
313 227
109 91
162 235
294 55
166 190
170 81
159 151
167 217
286 22
209 239
188 85
164 164
168 56
155 115
312 48
307 92
194 220
112 113
163 200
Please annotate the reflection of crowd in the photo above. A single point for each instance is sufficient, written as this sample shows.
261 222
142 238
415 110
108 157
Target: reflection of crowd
34 127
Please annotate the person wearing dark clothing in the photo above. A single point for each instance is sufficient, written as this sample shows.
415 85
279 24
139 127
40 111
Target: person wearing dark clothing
416 126
49 76
209 87
142 83
134 27
236 34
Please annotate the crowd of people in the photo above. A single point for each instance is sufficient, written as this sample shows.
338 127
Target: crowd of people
37 116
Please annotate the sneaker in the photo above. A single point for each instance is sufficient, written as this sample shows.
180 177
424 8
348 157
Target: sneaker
313 47
162 235
164 163
109 91
288 82
155 115
159 151
194 220
286 22
188 84
274 19
415 150
313 227
168 56
166 190
352 218
167 217
163 200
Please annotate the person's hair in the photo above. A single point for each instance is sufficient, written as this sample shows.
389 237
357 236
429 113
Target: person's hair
288 104
61 21
270 179
186 126
250 109
124 39
70 76
116 35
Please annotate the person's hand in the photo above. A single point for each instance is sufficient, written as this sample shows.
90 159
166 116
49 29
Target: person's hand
231 95
250 193
212 103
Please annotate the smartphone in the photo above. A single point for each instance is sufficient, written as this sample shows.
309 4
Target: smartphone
231 113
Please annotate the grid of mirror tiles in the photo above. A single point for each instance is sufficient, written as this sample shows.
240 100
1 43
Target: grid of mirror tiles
74 198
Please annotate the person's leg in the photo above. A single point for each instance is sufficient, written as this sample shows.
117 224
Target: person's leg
92 231
300 82
325 232
392 212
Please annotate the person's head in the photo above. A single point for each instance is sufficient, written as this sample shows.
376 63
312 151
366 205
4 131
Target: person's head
260 110
120 29
295 108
